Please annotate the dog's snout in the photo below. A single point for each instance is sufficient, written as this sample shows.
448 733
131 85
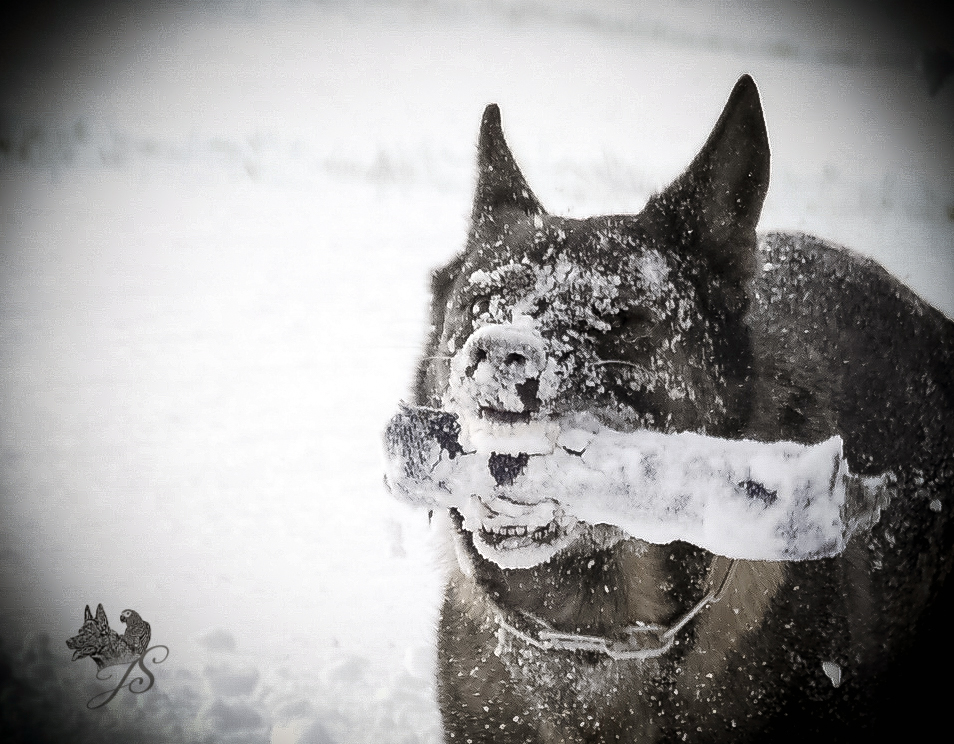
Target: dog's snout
499 370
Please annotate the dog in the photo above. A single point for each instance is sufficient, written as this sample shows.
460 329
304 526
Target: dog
682 318
96 640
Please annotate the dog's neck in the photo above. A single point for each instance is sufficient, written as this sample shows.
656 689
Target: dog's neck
638 642
636 615
593 590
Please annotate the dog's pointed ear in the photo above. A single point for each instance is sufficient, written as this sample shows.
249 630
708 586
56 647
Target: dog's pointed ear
714 206
101 615
501 186
88 615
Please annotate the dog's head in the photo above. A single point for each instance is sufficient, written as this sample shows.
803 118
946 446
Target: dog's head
92 636
637 321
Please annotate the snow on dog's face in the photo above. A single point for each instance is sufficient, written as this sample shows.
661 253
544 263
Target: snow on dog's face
561 316
635 321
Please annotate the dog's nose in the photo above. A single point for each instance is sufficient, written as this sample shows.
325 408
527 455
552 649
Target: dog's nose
499 367
504 348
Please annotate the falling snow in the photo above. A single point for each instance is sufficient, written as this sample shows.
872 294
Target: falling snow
217 222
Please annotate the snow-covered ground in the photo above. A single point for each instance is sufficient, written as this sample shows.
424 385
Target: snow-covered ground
216 223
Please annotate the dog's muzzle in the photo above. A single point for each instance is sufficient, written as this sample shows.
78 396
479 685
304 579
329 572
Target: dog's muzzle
501 373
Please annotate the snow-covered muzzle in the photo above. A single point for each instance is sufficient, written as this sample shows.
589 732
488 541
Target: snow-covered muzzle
527 363
502 373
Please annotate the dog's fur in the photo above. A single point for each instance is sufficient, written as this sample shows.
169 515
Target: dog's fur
710 329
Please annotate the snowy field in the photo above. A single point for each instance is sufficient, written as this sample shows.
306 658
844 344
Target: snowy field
217 222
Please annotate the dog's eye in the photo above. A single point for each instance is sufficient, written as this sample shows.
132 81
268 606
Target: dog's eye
633 322
480 306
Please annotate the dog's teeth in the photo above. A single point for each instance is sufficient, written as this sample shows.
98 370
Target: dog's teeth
511 531
498 535
546 534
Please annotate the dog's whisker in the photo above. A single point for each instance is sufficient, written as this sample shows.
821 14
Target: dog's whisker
604 362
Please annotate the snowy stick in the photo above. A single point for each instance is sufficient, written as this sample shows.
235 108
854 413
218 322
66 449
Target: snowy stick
739 498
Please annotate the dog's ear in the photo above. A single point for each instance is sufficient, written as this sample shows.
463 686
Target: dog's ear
88 615
714 206
101 616
501 187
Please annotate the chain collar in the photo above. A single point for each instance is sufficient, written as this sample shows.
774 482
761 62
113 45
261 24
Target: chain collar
640 641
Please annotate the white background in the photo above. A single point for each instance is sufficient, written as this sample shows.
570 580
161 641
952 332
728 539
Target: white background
217 222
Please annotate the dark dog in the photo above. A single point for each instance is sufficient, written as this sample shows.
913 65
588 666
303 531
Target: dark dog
681 319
